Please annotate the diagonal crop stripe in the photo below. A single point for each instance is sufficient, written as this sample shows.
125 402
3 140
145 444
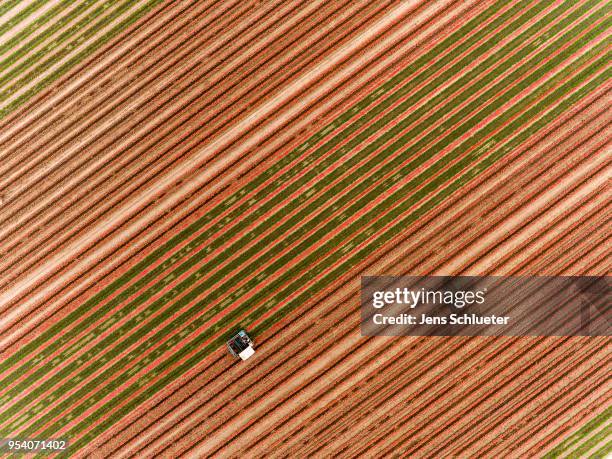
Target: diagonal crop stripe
28 37
10 21
39 56
236 211
74 152
125 408
304 224
315 205
582 441
12 80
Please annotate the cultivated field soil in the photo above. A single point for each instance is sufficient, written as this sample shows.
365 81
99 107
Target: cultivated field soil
172 172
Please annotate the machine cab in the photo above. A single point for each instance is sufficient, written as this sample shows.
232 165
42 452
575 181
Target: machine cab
241 345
